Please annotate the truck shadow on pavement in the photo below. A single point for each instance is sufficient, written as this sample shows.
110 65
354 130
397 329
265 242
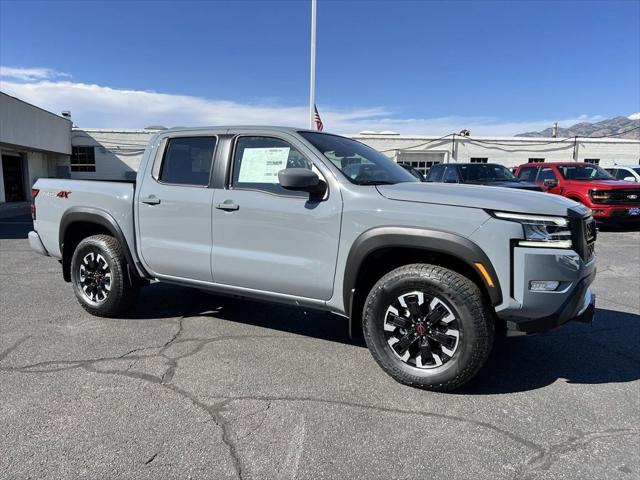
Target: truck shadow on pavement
606 352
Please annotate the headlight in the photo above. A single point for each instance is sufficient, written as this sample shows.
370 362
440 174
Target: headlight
599 196
540 230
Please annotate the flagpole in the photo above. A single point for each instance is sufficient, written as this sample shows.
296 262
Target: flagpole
312 80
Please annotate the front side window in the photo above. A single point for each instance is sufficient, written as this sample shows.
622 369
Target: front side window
546 174
622 173
187 161
358 162
257 161
527 174
584 173
83 159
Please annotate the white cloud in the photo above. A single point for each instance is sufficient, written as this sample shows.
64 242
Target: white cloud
31 74
635 116
99 106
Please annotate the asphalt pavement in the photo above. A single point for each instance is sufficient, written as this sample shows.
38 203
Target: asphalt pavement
192 385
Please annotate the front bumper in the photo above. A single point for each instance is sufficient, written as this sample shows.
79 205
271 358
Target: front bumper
537 311
36 244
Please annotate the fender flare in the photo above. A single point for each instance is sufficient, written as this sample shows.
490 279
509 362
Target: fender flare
106 220
418 238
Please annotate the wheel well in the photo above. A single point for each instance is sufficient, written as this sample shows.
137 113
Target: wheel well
382 261
73 235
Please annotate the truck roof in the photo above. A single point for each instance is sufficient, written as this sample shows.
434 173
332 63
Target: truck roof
240 127
557 164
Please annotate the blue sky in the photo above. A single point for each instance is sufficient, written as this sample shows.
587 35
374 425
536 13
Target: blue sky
421 67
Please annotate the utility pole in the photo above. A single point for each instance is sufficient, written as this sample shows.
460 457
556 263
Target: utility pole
554 131
312 80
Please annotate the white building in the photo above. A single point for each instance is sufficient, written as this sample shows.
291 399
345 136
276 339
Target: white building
33 143
116 153
107 153
422 152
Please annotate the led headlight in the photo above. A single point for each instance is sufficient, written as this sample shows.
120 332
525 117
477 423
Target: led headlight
541 230
599 196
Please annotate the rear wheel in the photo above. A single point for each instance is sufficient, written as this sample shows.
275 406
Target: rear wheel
99 277
427 326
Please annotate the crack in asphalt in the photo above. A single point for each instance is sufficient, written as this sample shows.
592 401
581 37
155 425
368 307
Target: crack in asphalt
541 459
4 354
544 460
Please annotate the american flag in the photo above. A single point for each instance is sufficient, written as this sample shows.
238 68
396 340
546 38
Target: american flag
317 119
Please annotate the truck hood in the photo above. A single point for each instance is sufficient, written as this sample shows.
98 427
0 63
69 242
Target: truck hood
478 196
521 185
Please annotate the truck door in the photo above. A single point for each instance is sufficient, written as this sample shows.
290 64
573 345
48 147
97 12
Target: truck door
174 209
266 237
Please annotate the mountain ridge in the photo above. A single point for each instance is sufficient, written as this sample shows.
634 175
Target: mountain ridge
616 127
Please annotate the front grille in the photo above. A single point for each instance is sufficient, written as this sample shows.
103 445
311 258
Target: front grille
619 197
583 235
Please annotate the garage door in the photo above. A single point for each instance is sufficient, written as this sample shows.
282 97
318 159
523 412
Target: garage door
420 160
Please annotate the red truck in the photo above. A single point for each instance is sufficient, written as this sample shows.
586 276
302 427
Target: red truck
611 200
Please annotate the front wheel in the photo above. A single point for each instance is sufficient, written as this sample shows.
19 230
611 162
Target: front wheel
427 326
99 277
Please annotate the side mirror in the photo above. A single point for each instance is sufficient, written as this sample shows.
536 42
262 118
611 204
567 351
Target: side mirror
629 179
301 180
550 183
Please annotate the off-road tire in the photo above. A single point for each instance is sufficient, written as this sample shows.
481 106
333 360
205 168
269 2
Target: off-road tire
464 299
122 292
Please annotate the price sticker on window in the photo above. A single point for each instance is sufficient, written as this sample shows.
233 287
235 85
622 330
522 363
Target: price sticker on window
261 165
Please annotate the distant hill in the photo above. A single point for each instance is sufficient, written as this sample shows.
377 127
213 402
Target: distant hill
615 125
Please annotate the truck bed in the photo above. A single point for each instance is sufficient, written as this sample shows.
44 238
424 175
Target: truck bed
59 197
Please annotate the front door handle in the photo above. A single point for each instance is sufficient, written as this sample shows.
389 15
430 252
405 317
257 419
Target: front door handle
228 205
151 200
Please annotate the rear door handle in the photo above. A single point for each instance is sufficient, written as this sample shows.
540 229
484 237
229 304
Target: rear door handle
228 205
151 200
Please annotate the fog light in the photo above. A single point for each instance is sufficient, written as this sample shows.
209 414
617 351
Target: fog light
543 285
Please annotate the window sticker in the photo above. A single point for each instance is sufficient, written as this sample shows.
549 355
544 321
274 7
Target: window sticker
261 165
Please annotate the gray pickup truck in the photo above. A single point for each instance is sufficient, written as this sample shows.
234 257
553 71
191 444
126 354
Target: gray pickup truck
430 272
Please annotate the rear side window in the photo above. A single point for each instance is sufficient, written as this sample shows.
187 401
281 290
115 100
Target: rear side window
257 161
527 174
435 173
188 160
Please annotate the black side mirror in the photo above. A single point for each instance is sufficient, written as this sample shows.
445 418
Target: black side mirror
550 183
301 180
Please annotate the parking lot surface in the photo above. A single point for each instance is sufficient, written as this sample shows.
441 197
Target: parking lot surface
192 385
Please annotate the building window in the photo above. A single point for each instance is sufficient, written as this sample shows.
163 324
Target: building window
479 160
83 159
595 161
536 160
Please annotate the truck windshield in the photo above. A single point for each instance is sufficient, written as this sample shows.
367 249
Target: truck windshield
360 163
478 172
584 173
